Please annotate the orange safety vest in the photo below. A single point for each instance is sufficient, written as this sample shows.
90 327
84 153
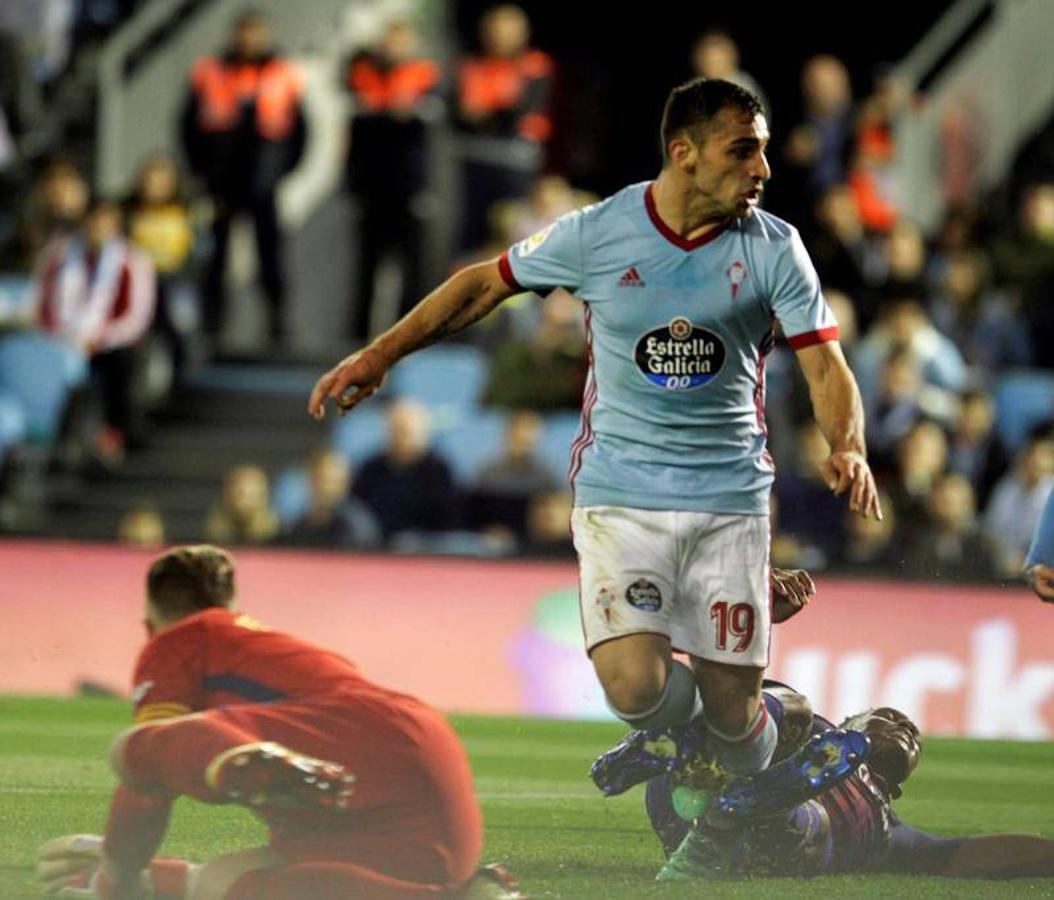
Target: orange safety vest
275 86
489 84
397 88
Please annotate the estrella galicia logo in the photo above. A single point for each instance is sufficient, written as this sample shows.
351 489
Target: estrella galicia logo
680 356
644 595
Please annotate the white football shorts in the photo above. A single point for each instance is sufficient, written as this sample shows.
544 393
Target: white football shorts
701 579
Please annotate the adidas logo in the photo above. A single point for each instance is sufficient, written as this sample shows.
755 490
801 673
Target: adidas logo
631 278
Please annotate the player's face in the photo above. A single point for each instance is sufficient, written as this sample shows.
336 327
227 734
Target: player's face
731 168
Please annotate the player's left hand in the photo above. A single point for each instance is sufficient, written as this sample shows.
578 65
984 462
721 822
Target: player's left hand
791 591
848 470
349 382
1041 579
67 865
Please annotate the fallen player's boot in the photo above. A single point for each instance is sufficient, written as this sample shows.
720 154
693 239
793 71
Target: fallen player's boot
825 760
270 774
643 755
700 855
493 882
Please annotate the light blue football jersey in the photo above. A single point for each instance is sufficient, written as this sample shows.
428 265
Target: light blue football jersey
673 409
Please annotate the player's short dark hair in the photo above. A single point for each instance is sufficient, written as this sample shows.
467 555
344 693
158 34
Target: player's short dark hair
191 578
691 106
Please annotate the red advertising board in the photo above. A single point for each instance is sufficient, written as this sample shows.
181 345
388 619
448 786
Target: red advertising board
504 637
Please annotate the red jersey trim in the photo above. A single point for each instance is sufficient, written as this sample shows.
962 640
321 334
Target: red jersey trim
506 273
811 338
672 236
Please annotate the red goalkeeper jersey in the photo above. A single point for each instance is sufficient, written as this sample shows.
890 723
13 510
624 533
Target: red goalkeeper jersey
219 657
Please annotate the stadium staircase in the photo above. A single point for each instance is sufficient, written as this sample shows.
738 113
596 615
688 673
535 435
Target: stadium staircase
227 415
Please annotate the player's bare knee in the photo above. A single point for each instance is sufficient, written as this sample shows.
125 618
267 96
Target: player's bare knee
634 690
633 671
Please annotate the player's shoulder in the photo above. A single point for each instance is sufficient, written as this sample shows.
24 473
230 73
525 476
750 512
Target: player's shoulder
762 225
615 207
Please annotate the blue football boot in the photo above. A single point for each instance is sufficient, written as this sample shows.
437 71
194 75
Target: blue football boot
642 755
825 760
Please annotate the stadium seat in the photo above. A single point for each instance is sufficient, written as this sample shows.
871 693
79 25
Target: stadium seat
1023 400
40 371
291 495
469 443
452 376
554 447
361 434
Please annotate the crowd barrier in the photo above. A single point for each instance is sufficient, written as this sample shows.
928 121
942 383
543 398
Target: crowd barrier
505 637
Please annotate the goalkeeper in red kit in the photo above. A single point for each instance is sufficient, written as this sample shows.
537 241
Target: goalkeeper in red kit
366 792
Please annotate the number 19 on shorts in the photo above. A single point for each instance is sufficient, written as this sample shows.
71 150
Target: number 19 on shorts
735 621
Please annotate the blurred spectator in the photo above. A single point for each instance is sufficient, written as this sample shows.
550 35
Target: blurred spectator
503 115
898 405
56 205
922 458
159 224
243 131
1025 262
396 101
45 30
334 517
407 485
817 149
904 323
548 533
873 543
716 55
903 262
1017 503
975 450
808 510
871 176
949 543
142 527
980 322
549 198
547 371
98 292
506 484
839 245
244 514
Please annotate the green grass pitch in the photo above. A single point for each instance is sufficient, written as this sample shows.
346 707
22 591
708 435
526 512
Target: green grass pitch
543 816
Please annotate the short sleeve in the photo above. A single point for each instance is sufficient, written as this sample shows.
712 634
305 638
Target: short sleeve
797 301
550 259
168 676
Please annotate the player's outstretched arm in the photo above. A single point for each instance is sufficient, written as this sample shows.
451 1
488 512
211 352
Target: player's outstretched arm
840 414
1039 566
464 298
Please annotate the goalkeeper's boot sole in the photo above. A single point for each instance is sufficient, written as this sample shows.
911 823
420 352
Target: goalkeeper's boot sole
700 855
643 755
270 774
824 761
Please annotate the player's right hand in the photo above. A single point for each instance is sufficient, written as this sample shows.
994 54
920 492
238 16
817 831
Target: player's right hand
349 382
67 864
848 470
1041 579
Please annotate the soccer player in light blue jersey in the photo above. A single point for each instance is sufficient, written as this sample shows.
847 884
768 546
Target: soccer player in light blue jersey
1039 566
684 281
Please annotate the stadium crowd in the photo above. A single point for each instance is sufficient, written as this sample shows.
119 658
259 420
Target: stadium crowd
932 323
